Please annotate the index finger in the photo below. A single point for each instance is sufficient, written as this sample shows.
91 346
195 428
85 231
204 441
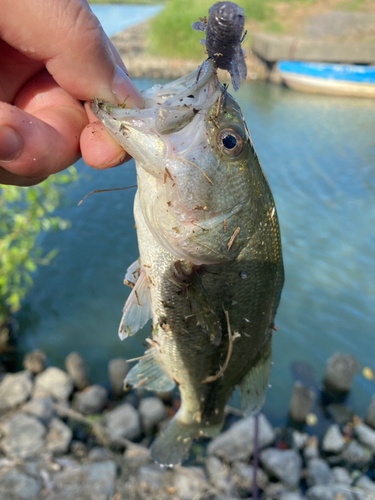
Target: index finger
67 37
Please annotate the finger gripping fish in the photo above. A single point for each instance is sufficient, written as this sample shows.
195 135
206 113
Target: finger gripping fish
224 34
210 269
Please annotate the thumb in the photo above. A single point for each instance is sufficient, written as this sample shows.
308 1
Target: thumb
67 37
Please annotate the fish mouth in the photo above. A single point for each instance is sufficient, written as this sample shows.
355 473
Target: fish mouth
169 108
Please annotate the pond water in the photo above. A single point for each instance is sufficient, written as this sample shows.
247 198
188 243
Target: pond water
318 153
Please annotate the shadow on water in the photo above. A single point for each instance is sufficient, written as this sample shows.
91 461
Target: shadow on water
318 154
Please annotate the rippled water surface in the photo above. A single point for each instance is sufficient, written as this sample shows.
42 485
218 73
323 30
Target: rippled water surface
319 156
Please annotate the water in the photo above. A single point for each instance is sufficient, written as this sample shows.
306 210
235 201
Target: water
115 18
318 153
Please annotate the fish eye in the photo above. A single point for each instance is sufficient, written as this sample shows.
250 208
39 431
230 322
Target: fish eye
230 142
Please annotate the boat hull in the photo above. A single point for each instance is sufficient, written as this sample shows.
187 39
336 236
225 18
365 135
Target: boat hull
330 79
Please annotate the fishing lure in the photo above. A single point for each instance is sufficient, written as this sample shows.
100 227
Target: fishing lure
224 35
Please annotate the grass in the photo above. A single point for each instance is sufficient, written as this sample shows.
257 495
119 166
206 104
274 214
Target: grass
171 33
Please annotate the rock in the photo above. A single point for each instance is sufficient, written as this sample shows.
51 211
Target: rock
123 422
299 440
341 475
311 449
370 414
365 483
137 456
365 435
53 382
40 408
24 436
301 402
339 372
34 361
152 412
98 454
79 450
189 482
318 472
15 485
341 492
291 495
320 492
274 491
91 400
340 414
15 389
59 437
356 455
86 482
117 370
151 475
242 476
76 368
333 441
285 465
237 443
218 474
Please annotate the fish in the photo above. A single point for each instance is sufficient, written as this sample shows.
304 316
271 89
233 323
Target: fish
210 269
224 35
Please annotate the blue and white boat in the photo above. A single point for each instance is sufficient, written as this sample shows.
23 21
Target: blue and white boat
333 79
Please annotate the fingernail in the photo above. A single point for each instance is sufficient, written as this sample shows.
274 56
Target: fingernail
10 144
113 163
125 91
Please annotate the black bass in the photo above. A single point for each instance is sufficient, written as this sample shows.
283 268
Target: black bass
210 270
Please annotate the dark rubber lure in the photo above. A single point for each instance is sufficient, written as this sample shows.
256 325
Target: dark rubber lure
224 35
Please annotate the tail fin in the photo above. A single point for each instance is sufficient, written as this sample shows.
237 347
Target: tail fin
173 444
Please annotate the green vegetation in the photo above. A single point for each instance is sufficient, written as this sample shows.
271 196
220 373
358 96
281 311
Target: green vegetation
171 33
350 4
24 214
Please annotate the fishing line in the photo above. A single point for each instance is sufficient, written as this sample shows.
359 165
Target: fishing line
105 191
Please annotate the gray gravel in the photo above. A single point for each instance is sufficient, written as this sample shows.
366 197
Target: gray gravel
76 368
92 400
15 389
237 443
333 441
53 382
123 422
24 436
59 437
285 465
318 472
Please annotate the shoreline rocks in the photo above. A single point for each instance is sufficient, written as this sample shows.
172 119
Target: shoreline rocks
58 442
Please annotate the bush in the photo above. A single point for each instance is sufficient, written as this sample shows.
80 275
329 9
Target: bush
24 214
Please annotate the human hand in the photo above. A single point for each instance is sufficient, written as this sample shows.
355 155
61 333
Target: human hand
53 55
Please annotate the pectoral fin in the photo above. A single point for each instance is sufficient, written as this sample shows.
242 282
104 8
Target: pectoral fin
137 309
148 373
254 384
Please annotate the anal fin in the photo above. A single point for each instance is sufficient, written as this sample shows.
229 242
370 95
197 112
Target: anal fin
137 309
149 374
254 385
